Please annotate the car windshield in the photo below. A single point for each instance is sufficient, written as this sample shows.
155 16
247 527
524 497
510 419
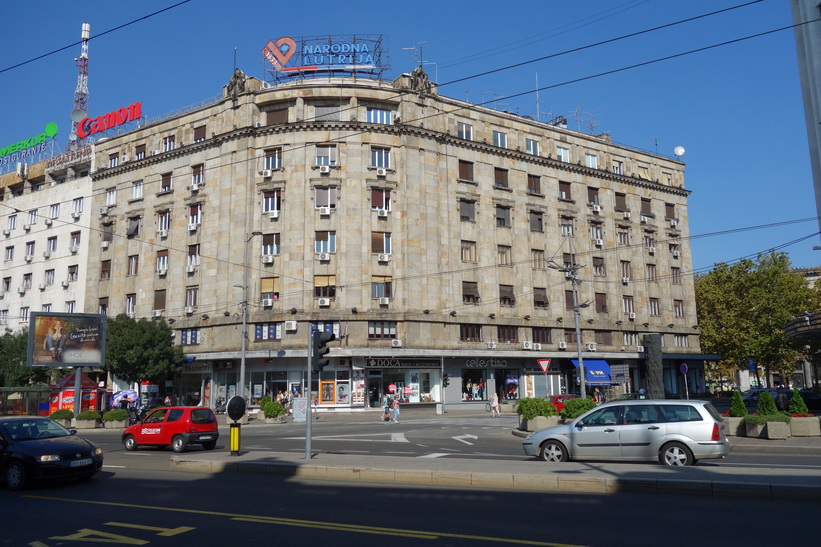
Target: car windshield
26 430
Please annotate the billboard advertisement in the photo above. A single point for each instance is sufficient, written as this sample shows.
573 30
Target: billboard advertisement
66 339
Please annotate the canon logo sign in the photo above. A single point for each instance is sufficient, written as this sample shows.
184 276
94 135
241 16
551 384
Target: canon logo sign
89 126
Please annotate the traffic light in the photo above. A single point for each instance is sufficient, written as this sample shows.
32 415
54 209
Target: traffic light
320 350
445 380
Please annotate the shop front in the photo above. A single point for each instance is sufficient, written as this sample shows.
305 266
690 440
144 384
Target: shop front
415 381
477 379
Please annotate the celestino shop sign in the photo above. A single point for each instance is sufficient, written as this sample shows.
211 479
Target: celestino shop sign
89 126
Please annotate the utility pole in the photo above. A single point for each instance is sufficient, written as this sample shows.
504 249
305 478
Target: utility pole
571 272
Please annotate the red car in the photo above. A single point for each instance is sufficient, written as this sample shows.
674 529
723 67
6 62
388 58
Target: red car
558 400
178 426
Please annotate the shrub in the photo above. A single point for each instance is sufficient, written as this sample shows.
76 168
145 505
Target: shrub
62 414
574 408
760 419
530 407
272 409
797 404
88 415
766 404
737 408
118 415
266 399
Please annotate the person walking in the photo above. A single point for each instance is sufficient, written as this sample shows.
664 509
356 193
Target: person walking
597 396
495 411
395 409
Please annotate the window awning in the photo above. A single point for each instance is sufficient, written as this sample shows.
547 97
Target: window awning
596 371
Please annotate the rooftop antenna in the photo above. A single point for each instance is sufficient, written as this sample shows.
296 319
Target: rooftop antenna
656 141
81 92
538 115
417 52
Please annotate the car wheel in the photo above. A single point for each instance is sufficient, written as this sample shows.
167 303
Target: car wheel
179 444
15 476
209 445
130 443
554 452
676 455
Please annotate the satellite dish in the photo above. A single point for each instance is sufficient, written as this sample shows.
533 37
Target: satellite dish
77 115
72 137
678 151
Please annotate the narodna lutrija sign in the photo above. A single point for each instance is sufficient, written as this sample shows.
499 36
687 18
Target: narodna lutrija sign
307 56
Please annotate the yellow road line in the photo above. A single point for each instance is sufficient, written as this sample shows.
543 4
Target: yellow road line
352 528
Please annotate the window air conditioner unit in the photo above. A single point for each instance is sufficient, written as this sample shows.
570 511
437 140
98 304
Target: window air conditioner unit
290 325
64 284
644 219
162 233
162 271
631 316
273 214
267 259
324 257
75 215
384 301
598 242
537 347
22 290
73 249
6 232
267 173
27 227
625 280
676 254
382 213
324 302
673 222
491 345
381 172
192 227
191 268
651 250
640 349
267 302
324 168
155 152
104 244
28 258
48 221
46 254
156 313
103 211
590 347
324 211
42 286
627 214
384 258
596 208
195 186
125 158
527 345
189 310
562 345
396 343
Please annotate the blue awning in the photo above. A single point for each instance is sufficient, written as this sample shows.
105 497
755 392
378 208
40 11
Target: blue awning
596 371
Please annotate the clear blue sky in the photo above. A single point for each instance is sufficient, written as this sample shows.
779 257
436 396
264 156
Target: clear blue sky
736 109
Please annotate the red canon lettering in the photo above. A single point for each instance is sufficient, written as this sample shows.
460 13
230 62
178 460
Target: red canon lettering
89 126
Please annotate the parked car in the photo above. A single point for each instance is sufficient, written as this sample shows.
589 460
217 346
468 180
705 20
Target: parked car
674 433
178 426
39 449
559 400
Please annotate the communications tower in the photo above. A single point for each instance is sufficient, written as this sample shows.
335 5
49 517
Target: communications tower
81 93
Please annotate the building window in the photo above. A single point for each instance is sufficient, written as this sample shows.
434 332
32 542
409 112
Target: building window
33 217
327 113
267 331
139 152
469 251
467 210
12 223
502 216
678 308
70 306
650 272
591 161
111 196
199 133
9 253
77 205
24 314
194 254
102 306
618 167
564 191
381 286
563 154
74 239
569 260
499 139
596 233
49 277
192 296
273 158
270 245
464 131
534 184
646 208
644 172
51 244
537 259
601 302
163 220
569 302
626 269
604 337
649 241
470 333
275 117
381 330
166 180
113 160
133 227
137 189
675 274
131 304
190 337
271 201
381 242
54 211
592 195
500 177
326 154
623 236
598 267
325 196
631 339
681 341
269 288
29 250
505 254
105 269
168 143
507 334
627 304
133 264
466 170
162 261
27 281
670 211
470 292
380 199
506 296
197 175
379 115
566 225
542 335
380 157
532 146
195 214
540 297
536 221
325 242
570 336
654 308
621 202
7 284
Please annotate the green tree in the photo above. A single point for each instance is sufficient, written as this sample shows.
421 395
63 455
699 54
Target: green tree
743 307
766 404
14 372
141 350
797 404
738 409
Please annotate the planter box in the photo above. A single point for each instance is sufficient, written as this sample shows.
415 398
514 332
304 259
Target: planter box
114 424
276 420
805 427
755 431
86 424
777 430
537 423
733 427
64 423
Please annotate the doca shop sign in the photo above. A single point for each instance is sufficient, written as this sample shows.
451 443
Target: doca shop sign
400 363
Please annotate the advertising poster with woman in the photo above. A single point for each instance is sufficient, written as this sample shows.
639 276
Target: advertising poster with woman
66 339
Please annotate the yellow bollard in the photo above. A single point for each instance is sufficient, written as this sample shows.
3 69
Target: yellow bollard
234 438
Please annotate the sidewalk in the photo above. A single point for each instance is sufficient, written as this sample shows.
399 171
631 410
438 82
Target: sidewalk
703 479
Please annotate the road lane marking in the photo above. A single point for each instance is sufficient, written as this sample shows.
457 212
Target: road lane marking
461 438
163 532
435 455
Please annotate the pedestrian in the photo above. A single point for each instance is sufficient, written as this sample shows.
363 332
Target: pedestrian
494 407
395 409
597 397
167 401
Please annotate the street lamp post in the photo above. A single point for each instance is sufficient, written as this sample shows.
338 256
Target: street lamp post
572 271
244 306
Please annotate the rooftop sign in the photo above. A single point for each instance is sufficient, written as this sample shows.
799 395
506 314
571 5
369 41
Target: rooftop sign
306 56
28 147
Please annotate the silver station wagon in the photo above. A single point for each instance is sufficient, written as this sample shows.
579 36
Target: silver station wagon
669 431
